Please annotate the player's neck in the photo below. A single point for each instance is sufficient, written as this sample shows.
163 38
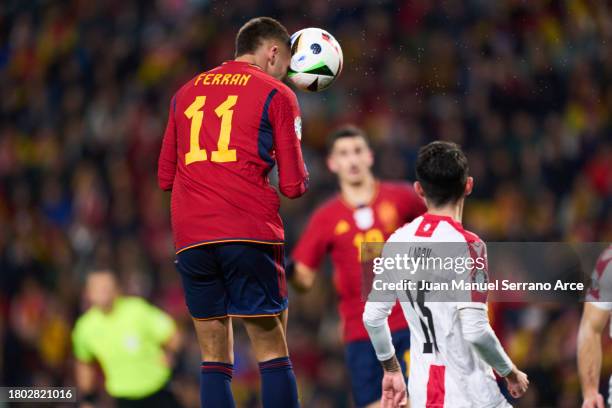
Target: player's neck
359 194
455 210
108 308
250 58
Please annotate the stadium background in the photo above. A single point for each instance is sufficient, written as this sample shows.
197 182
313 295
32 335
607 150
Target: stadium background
524 86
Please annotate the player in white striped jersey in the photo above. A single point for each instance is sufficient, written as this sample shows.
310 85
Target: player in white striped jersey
453 347
597 312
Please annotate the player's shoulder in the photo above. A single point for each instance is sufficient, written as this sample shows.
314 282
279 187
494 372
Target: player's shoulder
432 227
329 208
459 232
282 92
87 322
132 302
407 231
606 255
468 235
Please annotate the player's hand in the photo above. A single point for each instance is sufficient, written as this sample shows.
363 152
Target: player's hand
594 400
517 383
394 390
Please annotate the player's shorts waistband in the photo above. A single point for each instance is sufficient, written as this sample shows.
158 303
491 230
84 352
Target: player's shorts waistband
226 240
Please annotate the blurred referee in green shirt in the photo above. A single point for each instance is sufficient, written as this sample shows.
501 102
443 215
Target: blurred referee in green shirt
133 341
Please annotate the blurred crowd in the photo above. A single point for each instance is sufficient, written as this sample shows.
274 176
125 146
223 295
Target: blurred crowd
524 86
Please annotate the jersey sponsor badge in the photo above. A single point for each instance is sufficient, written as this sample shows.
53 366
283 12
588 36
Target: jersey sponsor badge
297 124
364 217
341 227
387 213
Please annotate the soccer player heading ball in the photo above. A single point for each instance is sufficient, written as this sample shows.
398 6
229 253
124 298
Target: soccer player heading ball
227 128
453 347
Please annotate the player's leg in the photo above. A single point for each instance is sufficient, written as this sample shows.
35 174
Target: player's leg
216 346
257 292
284 316
365 373
206 298
215 337
278 383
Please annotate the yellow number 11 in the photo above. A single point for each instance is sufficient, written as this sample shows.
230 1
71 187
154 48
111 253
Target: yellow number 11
224 111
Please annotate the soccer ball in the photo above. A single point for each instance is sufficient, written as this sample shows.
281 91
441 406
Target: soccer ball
316 59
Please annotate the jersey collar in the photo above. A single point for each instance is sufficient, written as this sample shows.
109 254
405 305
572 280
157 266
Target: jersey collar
244 63
368 204
450 220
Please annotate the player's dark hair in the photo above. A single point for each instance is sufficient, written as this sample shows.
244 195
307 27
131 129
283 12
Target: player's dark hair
345 131
442 170
254 31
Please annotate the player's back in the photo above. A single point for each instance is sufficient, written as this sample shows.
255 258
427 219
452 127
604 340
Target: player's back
444 368
231 125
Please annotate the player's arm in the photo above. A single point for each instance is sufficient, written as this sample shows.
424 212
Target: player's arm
166 168
593 322
375 317
302 276
85 374
162 328
286 127
309 253
478 332
84 367
376 313
172 347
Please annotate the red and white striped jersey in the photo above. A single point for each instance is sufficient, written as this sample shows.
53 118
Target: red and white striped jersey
445 370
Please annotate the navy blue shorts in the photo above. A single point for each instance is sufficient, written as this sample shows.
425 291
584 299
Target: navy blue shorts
238 279
365 370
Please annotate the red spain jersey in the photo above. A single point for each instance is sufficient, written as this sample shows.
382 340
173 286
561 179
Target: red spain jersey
227 128
339 229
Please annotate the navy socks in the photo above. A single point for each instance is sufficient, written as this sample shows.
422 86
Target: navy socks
215 385
278 385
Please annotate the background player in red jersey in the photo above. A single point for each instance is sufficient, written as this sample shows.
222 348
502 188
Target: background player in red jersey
227 128
366 210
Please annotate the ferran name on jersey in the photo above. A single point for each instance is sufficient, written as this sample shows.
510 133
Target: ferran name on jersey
364 217
222 79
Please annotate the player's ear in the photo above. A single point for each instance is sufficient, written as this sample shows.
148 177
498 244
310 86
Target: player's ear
469 185
418 188
273 54
331 165
370 155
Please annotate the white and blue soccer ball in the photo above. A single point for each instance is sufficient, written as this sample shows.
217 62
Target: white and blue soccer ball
316 59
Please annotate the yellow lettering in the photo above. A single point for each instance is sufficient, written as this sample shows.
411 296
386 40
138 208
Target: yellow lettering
217 79
235 79
198 79
226 79
193 112
245 79
224 111
207 79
